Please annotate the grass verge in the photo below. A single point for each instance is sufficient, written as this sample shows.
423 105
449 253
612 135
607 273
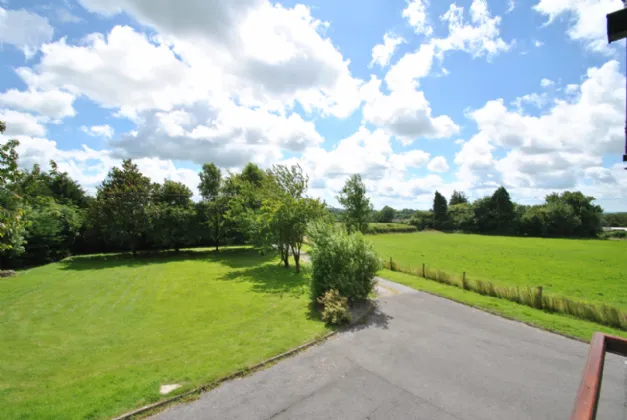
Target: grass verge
561 324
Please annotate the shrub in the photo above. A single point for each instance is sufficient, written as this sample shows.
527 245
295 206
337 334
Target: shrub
341 261
7 273
335 308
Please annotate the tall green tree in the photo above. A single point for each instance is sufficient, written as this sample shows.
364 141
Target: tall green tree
122 207
458 197
213 193
440 211
588 214
12 223
386 215
461 217
356 204
174 216
502 211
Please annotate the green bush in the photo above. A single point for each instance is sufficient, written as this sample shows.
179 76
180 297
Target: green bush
335 308
614 234
341 261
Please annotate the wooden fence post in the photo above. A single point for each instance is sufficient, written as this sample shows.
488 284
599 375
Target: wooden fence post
423 271
539 298
464 281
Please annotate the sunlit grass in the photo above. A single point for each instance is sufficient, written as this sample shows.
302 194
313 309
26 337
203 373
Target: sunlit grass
97 336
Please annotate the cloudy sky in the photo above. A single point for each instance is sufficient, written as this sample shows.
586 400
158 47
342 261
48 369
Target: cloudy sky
415 95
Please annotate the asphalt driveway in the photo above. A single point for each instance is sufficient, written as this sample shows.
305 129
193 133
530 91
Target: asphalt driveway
419 357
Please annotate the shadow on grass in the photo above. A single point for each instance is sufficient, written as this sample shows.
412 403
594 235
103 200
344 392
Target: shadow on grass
234 258
273 279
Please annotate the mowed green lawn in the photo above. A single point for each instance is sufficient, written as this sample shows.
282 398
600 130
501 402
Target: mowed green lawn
588 270
96 336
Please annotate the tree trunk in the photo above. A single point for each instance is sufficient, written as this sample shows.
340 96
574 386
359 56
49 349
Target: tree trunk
285 255
296 255
217 235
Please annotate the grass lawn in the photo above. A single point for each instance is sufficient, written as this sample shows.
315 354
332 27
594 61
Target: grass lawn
96 336
585 270
558 323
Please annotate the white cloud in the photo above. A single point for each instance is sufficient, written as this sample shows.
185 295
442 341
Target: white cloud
587 19
55 104
438 164
405 113
538 43
416 14
25 30
63 15
546 83
21 123
480 37
105 131
560 149
266 55
382 53
511 5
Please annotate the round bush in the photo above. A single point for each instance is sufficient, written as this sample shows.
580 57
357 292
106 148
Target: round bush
345 262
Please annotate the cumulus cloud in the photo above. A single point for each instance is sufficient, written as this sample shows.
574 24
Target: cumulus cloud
105 131
382 53
55 104
438 164
586 18
416 14
480 37
563 148
22 123
25 30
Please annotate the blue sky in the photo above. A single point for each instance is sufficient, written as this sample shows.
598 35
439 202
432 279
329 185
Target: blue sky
415 95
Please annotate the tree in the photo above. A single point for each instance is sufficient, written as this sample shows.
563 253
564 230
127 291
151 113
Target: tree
387 214
440 211
212 191
357 206
502 210
588 214
458 198
12 223
462 217
122 206
534 221
173 216
422 220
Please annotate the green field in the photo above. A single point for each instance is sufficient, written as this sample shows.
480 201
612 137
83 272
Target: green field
97 336
586 270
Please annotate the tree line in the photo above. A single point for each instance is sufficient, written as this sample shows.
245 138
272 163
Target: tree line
569 214
46 216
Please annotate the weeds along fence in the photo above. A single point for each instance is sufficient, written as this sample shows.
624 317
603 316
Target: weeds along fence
533 297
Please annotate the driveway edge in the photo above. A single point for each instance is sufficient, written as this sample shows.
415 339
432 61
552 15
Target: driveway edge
243 372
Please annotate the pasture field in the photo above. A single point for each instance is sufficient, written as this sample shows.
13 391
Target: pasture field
585 270
96 336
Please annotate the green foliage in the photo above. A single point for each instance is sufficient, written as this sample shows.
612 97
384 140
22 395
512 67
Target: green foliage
122 207
335 310
356 205
614 219
440 211
52 229
173 216
342 261
423 220
386 215
458 197
615 234
378 228
461 217
12 223
501 210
